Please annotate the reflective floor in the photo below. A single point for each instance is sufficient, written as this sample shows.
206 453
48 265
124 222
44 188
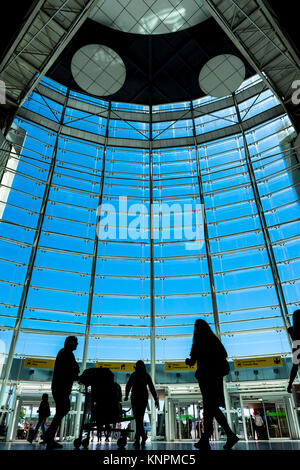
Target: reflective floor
280 445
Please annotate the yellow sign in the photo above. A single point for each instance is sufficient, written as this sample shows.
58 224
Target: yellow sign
117 366
178 366
271 361
33 363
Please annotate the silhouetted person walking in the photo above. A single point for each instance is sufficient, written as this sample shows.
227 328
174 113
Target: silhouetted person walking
138 383
210 355
66 370
259 425
294 332
44 413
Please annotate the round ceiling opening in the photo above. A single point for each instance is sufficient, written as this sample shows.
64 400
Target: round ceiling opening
149 16
222 75
98 70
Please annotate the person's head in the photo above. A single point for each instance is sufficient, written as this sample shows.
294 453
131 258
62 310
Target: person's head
202 330
296 321
45 396
71 343
140 367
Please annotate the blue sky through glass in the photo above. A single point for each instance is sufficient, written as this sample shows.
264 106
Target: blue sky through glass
250 317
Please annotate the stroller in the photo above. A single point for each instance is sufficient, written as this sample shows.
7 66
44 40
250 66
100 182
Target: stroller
102 406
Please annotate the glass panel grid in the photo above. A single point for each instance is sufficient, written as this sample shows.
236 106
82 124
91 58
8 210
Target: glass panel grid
57 302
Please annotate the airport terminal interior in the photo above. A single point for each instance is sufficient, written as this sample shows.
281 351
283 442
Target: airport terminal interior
149 177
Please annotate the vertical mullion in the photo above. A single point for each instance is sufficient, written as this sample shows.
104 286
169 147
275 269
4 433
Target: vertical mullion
152 287
93 274
95 250
205 230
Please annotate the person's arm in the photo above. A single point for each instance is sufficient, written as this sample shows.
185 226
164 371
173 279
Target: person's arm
152 390
75 368
293 374
190 361
128 387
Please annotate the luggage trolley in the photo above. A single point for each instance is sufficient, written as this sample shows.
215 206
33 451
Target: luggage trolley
102 407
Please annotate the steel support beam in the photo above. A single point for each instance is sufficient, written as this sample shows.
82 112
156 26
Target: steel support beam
32 258
18 89
95 250
151 233
209 261
205 231
251 28
152 280
243 418
93 274
264 228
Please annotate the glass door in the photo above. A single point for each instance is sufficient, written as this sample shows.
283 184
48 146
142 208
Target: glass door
276 417
188 420
266 419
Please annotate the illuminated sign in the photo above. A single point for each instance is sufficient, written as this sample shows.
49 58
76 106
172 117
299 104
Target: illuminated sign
117 366
254 362
178 366
33 363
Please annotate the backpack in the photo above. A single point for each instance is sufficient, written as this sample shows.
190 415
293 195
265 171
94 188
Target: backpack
258 421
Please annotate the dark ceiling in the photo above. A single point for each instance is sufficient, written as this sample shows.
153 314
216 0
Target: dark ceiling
286 14
159 68
13 14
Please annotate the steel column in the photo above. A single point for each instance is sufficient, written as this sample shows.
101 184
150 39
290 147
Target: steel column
93 274
208 257
32 258
243 419
205 230
264 227
152 286
95 251
152 283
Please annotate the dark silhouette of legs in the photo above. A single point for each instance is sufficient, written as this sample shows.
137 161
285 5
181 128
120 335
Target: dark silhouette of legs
211 392
231 437
139 408
223 422
41 423
210 411
208 415
62 403
293 374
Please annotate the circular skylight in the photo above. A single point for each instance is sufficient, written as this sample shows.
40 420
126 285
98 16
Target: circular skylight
222 75
149 16
98 70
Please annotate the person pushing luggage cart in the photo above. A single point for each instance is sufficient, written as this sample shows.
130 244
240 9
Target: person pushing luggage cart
102 405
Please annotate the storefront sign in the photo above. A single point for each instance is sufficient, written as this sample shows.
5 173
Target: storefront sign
117 366
33 363
178 366
254 362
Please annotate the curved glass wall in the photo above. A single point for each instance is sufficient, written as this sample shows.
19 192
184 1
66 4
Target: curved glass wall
76 252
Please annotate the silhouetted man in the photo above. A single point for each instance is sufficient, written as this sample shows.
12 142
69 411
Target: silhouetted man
66 370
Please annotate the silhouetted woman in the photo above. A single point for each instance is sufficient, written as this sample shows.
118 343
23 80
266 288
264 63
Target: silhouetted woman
44 413
294 332
138 383
210 355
